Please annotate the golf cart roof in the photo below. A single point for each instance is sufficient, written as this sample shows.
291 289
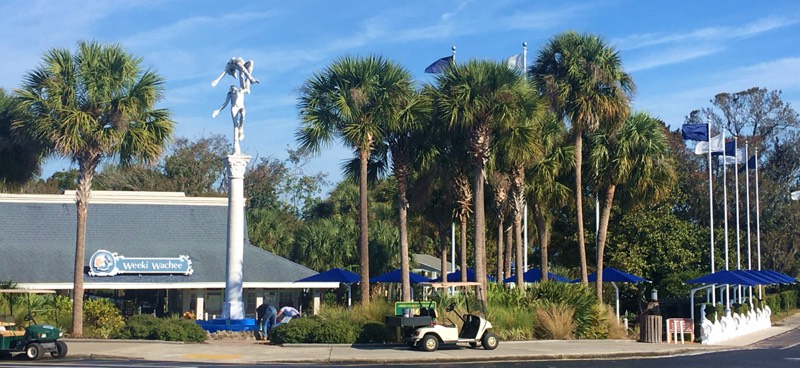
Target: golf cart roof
26 291
445 285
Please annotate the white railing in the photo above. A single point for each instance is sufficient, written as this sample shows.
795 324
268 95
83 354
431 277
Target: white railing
733 324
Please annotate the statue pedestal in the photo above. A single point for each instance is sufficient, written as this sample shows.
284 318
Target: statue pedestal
233 308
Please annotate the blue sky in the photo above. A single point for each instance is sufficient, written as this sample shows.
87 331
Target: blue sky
680 53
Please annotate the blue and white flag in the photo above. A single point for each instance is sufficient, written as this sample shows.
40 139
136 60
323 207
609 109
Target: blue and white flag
440 65
735 157
516 62
796 196
716 143
694 132
750 165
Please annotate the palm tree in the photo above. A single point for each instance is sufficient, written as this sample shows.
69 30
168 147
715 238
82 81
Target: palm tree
583 79
518 147
93 105
500 184
546 191
22 155
638 160
353 99
477 98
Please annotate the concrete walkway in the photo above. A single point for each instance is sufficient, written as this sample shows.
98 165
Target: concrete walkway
256 352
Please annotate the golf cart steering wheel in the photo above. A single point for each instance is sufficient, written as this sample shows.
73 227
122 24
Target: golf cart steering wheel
30 316
451 307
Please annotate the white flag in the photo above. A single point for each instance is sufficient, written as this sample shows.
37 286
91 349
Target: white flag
796 196
516 62
717 145
738 159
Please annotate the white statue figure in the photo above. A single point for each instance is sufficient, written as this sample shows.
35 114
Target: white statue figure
236 98
244 69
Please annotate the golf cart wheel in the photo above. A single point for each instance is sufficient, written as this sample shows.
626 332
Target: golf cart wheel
61 350
490 341
34 351
429 343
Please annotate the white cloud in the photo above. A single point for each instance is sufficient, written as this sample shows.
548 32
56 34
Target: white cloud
670 56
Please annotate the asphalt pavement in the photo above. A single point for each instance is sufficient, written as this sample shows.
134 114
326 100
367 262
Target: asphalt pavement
255 352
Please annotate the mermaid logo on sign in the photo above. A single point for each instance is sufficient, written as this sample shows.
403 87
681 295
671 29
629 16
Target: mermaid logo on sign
103 263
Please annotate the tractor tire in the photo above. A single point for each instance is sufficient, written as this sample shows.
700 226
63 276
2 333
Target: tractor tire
429 343
490 341
34 351
61 350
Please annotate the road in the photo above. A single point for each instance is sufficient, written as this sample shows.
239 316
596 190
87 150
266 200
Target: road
781 351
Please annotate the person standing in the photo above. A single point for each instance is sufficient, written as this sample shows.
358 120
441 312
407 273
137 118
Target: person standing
266 315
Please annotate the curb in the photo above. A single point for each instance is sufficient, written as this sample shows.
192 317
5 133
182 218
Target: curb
119 341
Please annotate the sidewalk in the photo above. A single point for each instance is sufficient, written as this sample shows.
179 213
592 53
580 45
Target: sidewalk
255 352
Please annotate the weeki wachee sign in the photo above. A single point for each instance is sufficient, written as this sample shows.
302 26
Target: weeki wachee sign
105 263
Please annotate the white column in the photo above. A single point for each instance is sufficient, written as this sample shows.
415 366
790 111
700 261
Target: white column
317 302
199 304
233 308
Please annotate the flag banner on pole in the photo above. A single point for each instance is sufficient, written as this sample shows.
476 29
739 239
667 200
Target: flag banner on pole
750 165
694 132
730 149
796 196
736 157
716 143
440 65
516 62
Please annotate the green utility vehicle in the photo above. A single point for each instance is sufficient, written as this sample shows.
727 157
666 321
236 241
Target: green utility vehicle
35 340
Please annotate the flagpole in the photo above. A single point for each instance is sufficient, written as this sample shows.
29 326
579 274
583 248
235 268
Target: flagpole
738 229
454 53
725 212
747 198
525 215
758 225
711 211
525 60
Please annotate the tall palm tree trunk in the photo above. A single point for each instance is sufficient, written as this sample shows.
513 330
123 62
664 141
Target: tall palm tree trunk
402 186
605 215
518 244
443 244
480 228
543 234
509 251
363 242
463 249
579 205
84 190
500 249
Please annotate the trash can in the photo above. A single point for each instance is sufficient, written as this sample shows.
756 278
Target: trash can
650 329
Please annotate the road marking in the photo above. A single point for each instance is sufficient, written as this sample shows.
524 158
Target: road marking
791 346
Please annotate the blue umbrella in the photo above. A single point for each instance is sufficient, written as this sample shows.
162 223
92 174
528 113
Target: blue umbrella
396 276
456 276
614 275
724 277
333 275
535 275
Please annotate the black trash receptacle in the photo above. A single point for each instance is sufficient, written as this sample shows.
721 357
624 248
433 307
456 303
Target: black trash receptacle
650 329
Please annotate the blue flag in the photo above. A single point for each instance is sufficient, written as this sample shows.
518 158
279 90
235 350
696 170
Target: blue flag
695 132
440 65
749 165
730 149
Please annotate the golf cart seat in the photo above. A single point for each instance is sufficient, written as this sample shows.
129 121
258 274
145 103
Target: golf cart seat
9 327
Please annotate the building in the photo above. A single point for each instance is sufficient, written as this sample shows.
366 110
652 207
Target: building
149 251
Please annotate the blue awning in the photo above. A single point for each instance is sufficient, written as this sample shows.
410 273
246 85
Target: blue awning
456 276
724 277
762 278
611 274
535 275
396 276
783 277
333 275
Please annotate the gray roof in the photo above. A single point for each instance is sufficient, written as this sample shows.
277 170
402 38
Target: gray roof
37 241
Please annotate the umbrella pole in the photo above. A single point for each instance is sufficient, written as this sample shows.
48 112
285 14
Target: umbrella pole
616 290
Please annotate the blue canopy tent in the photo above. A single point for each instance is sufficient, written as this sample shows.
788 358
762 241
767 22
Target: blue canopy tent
535 275
721 277
456 276
614 276
785 278
397 277
335 275
760 277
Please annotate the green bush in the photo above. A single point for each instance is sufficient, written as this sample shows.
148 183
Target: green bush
743 308
774 302
102 317
788 300
373 332
147 327
589 318
336 332
300 330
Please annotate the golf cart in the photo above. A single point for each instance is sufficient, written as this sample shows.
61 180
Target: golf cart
35 340
475 329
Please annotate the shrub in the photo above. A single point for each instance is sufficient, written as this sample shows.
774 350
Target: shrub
615 329
139 327
300 330
374 332
555 321
190 330
103 318
335 332
788 300
774 302
512 323
586 317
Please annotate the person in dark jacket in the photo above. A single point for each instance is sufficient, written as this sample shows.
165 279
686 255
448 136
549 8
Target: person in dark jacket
266 315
